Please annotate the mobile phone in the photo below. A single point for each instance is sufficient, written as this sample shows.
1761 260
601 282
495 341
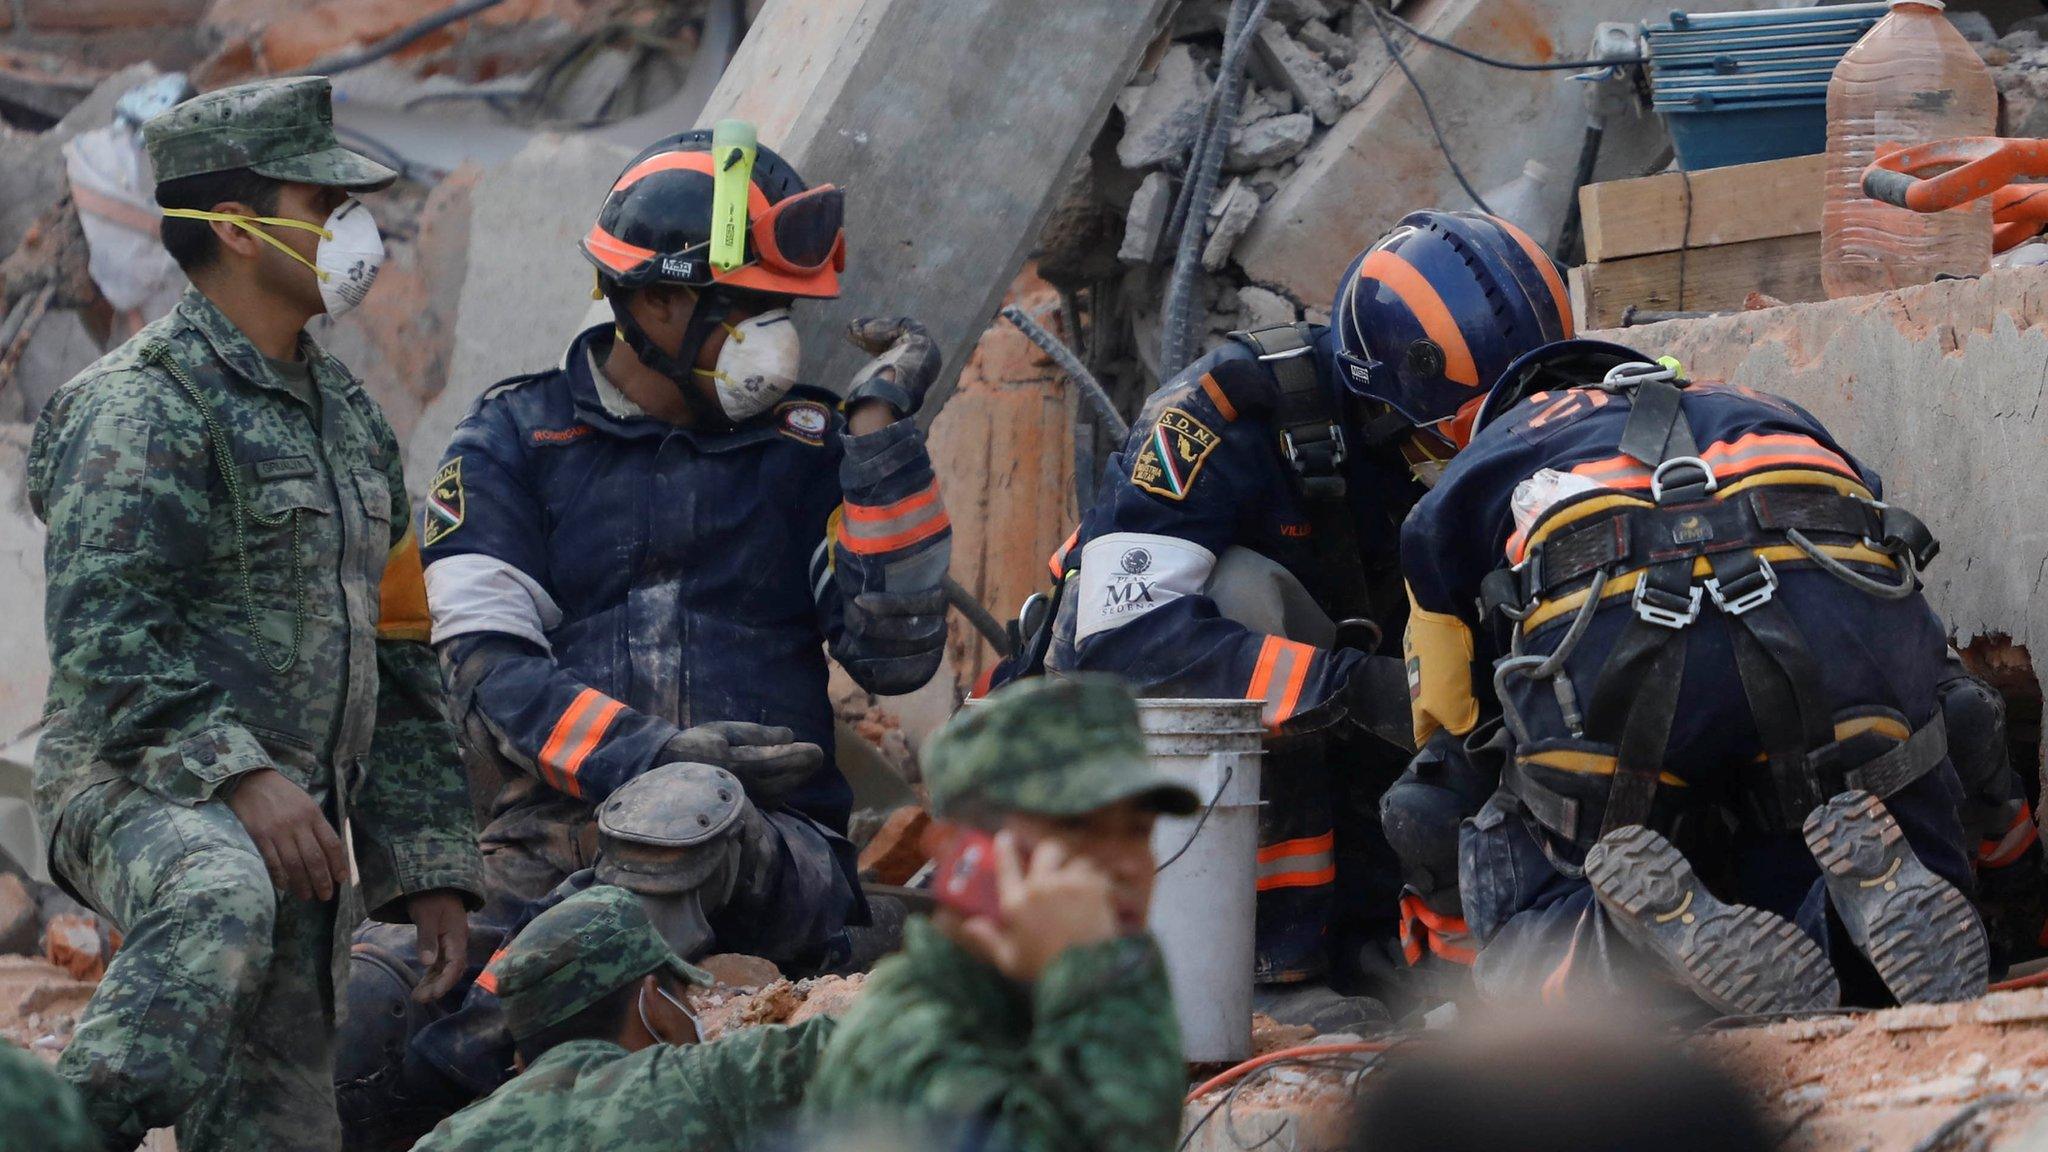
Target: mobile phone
965 878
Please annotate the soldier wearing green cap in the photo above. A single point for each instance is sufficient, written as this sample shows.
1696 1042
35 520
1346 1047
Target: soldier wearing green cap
598 1006
37 1109
1047 1025
245 749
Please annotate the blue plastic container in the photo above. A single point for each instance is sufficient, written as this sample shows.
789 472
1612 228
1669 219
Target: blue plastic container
1715 134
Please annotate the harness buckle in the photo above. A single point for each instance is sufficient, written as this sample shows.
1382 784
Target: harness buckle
1336 441
1701 466
1288 354
1747 592
1665 609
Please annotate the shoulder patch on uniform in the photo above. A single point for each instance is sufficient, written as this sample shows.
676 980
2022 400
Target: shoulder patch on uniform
803 420
1173 454
444 504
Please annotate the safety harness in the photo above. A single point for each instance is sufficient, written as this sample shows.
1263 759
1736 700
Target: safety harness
1694 543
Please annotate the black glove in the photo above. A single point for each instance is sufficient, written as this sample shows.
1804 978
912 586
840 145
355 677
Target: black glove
769 762
905 363
1375 700
893 641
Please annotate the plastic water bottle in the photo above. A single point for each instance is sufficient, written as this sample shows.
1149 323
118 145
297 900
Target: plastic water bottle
1912 79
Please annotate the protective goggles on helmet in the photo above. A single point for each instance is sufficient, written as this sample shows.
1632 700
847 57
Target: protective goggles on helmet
790 245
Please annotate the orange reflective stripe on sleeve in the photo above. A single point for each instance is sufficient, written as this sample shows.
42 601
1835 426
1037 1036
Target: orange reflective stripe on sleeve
488 978
1057 562
871 530
1278 678
1306 863
2007 849
1217 396
402 596
574 737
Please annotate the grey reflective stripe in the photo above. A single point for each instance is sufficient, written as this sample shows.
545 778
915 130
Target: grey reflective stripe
477 593
821 563
1289 865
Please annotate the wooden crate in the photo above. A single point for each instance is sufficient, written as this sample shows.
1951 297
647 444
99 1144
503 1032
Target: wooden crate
1751 228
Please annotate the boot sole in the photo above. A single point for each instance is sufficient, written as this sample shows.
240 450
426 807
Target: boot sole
1919 930
1740 960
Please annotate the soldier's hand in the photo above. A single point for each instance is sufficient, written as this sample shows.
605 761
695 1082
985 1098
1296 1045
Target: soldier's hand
770 762
1056 902
443 941
300 848
905 365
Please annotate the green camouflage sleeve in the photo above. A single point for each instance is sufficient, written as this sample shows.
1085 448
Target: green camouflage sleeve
413 826
119 471
1087 1059
738 1092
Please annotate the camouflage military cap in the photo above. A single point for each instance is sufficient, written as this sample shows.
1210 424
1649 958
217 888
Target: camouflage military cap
283 129
1054 747
574 955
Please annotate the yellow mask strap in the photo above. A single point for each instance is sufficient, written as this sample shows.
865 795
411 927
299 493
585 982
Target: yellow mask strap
249 224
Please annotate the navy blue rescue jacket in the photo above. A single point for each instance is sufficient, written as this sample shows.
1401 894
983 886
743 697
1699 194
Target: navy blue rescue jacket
658 577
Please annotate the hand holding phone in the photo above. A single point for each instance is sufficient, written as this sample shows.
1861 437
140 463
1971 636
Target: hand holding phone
1059 901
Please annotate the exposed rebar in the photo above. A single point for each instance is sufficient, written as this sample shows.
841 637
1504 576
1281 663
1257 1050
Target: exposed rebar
1091 388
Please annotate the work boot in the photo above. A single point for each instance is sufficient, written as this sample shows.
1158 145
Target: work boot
1739 959
1918 929
1321 1007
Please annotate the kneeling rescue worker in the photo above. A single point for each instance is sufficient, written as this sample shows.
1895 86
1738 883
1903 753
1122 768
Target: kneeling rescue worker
1245 546
1721 742
641 558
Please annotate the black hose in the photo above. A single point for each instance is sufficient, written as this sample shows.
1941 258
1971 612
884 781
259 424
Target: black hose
335 65
984 622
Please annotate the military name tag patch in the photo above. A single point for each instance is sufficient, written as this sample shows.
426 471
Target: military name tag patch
444 503
283 467
803 420
1172 456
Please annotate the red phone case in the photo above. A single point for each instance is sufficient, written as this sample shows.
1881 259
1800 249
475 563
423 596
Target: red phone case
965 879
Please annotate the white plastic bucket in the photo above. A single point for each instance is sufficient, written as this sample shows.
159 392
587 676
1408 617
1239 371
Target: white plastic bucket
1202 908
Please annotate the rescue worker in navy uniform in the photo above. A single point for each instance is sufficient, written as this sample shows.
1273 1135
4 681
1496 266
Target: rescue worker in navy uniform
1722 746
1245 546
643 556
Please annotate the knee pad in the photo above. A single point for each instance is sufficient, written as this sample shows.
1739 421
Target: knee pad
1421 812
1975 716
378 1017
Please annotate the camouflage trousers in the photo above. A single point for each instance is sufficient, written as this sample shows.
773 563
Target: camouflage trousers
217 1013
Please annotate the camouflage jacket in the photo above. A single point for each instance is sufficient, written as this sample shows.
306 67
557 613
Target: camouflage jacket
736 1093
205 622
1088 1058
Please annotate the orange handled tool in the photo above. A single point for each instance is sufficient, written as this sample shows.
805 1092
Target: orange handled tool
1968 168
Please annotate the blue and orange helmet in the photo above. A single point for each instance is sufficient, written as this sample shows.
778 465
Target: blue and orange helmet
1429 317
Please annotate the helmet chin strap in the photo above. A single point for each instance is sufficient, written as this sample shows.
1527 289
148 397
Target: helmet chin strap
711 310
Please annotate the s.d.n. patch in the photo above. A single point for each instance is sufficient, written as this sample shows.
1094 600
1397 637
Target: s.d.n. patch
444 504
1172 455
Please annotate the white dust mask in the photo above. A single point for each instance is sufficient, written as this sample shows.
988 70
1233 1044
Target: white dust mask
757 365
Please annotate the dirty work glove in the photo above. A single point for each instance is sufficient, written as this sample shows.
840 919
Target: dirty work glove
892 642
1373 700
905 363
769 762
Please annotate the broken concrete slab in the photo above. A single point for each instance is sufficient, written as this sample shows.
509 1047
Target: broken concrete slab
1282 62
1333 46
1938 388
1262 308
1146 221
1234 213
1379 160
824 82
1162 118
1263 143
1293 12
526 286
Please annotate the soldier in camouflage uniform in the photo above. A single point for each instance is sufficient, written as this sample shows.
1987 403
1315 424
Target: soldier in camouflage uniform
38 1110
595 1000
1053 1028
245 748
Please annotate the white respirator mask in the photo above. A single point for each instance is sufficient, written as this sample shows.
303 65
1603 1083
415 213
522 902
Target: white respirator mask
350 253
757 365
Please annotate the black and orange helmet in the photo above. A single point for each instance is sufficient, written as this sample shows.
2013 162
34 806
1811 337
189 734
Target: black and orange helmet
655 226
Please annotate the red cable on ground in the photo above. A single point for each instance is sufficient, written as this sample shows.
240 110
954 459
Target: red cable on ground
2032 980
1232 1075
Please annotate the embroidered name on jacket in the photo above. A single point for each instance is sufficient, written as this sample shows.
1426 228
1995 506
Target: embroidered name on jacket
1173 455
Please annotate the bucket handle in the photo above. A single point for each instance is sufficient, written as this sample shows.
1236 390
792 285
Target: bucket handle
1229 770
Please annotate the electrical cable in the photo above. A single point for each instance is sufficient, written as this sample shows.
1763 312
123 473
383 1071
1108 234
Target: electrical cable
1238 1072
2031 980
1226 1103
346 61
1443 146
1509 65
980 617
